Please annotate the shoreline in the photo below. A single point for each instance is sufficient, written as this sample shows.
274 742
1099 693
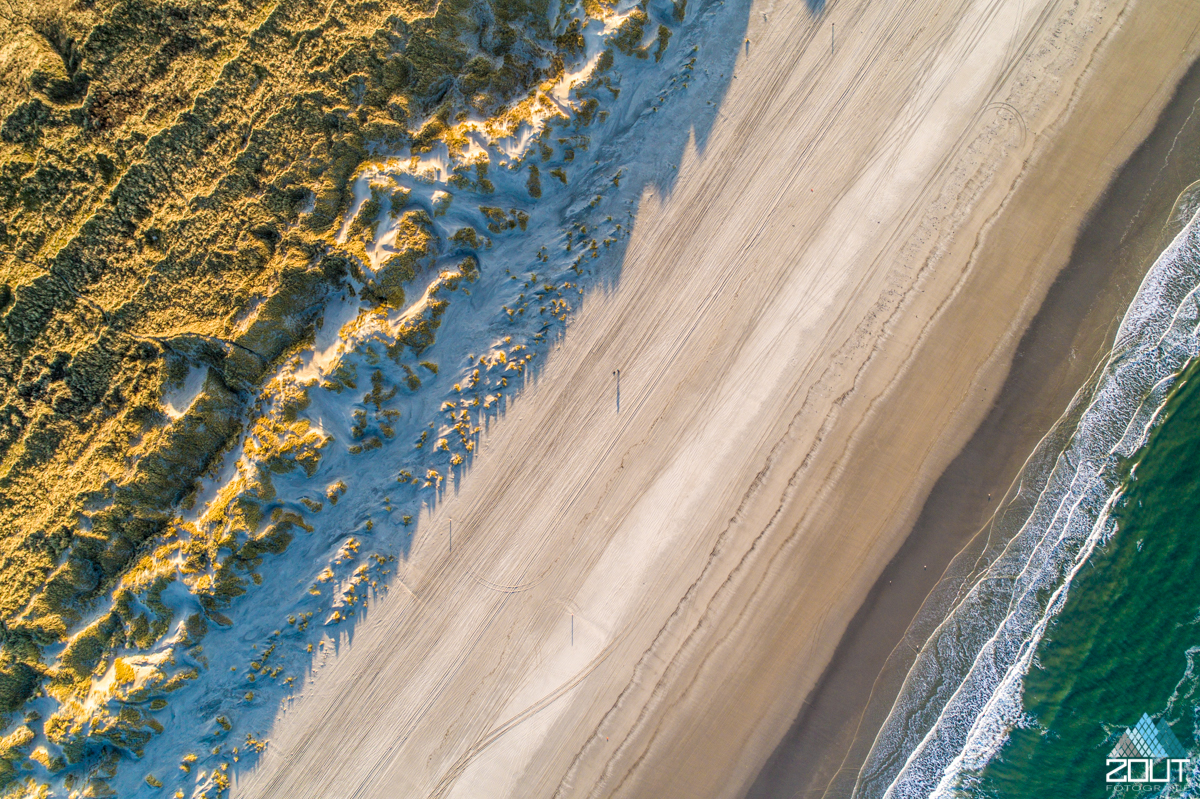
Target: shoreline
1070 335
639 601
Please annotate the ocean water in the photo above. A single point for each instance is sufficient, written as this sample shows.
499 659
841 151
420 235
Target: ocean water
1078 609
1126 640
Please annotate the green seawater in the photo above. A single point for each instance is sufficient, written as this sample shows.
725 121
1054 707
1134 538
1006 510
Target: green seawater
1124 641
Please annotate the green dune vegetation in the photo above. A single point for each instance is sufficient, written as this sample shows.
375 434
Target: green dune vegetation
174 180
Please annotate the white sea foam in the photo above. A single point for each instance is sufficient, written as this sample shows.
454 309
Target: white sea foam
963 694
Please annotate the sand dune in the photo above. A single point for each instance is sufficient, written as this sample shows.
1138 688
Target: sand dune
807 329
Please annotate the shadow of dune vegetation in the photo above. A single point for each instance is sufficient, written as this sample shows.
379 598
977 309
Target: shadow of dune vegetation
455 297
174 183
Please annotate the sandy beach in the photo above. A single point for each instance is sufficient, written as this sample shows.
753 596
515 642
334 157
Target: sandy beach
809 328
1070 335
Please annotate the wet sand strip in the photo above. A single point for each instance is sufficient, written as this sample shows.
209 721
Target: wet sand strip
1071 333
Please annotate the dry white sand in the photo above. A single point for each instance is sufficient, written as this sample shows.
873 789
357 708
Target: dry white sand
807 328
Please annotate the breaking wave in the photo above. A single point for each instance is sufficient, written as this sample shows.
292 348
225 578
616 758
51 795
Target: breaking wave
963 693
